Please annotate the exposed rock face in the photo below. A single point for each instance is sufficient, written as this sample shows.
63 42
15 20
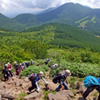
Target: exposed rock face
61 95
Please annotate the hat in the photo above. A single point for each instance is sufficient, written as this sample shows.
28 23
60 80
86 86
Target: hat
67 72
15 62
20 64
41 73
6 65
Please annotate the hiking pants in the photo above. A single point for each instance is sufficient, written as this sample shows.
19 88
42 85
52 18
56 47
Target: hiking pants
65 87
90 89
6 77
33 86
10 73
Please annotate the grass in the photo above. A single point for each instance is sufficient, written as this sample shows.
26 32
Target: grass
47 92
81 20
21 96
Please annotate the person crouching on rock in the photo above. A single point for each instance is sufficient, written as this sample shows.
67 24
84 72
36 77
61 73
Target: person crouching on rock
34 78
62 79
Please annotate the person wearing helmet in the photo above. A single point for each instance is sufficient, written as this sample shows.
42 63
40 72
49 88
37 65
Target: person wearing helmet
6 73
62 79
10 68
34 81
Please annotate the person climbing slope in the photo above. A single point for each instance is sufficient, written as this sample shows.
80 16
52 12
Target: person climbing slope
34 78
10 68
91 83
60 78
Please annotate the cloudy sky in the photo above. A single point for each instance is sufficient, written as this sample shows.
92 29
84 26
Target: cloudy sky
11 8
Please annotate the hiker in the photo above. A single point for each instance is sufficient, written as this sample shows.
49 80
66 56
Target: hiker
6 72
46 62
15 65
18 70
27 64
22 66
10 68
92 87
54 66
61 80
34 78
32 63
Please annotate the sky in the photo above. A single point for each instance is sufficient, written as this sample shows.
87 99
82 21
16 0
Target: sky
12 8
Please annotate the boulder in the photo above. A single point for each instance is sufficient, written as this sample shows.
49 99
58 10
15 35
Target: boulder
8 96
77 84
61 95
82 88
19 83
51 96
26 79
1 85
32 96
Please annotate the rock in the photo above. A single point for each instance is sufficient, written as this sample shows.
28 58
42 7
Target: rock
1 92
51 86
4 99
67 93
26 79
51 96
25 85
32 96
0 97
1 85
8 96
61 95
77 84
19 83
82 88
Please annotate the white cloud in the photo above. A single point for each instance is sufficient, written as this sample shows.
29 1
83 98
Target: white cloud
14 7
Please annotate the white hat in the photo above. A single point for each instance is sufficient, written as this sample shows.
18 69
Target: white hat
15 62
6 65
41 73
67 72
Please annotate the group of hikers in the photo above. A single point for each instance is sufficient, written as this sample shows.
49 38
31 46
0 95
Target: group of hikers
90 81
17 67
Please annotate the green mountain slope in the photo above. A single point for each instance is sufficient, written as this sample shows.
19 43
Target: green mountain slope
69 13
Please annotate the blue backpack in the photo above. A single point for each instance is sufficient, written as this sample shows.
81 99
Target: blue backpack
90 80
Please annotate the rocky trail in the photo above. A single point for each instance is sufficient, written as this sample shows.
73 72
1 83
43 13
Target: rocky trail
12 89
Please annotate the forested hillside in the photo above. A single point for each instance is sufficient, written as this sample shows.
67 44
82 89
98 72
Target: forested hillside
34 42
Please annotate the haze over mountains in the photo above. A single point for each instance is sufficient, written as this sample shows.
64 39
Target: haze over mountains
69 13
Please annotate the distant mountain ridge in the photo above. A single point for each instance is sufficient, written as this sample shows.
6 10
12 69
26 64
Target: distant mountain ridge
69 13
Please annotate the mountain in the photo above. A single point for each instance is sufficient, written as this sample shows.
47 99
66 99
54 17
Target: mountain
71 14
47 10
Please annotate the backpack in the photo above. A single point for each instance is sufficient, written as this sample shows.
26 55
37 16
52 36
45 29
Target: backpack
56 78
32 77
90 80
98 79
